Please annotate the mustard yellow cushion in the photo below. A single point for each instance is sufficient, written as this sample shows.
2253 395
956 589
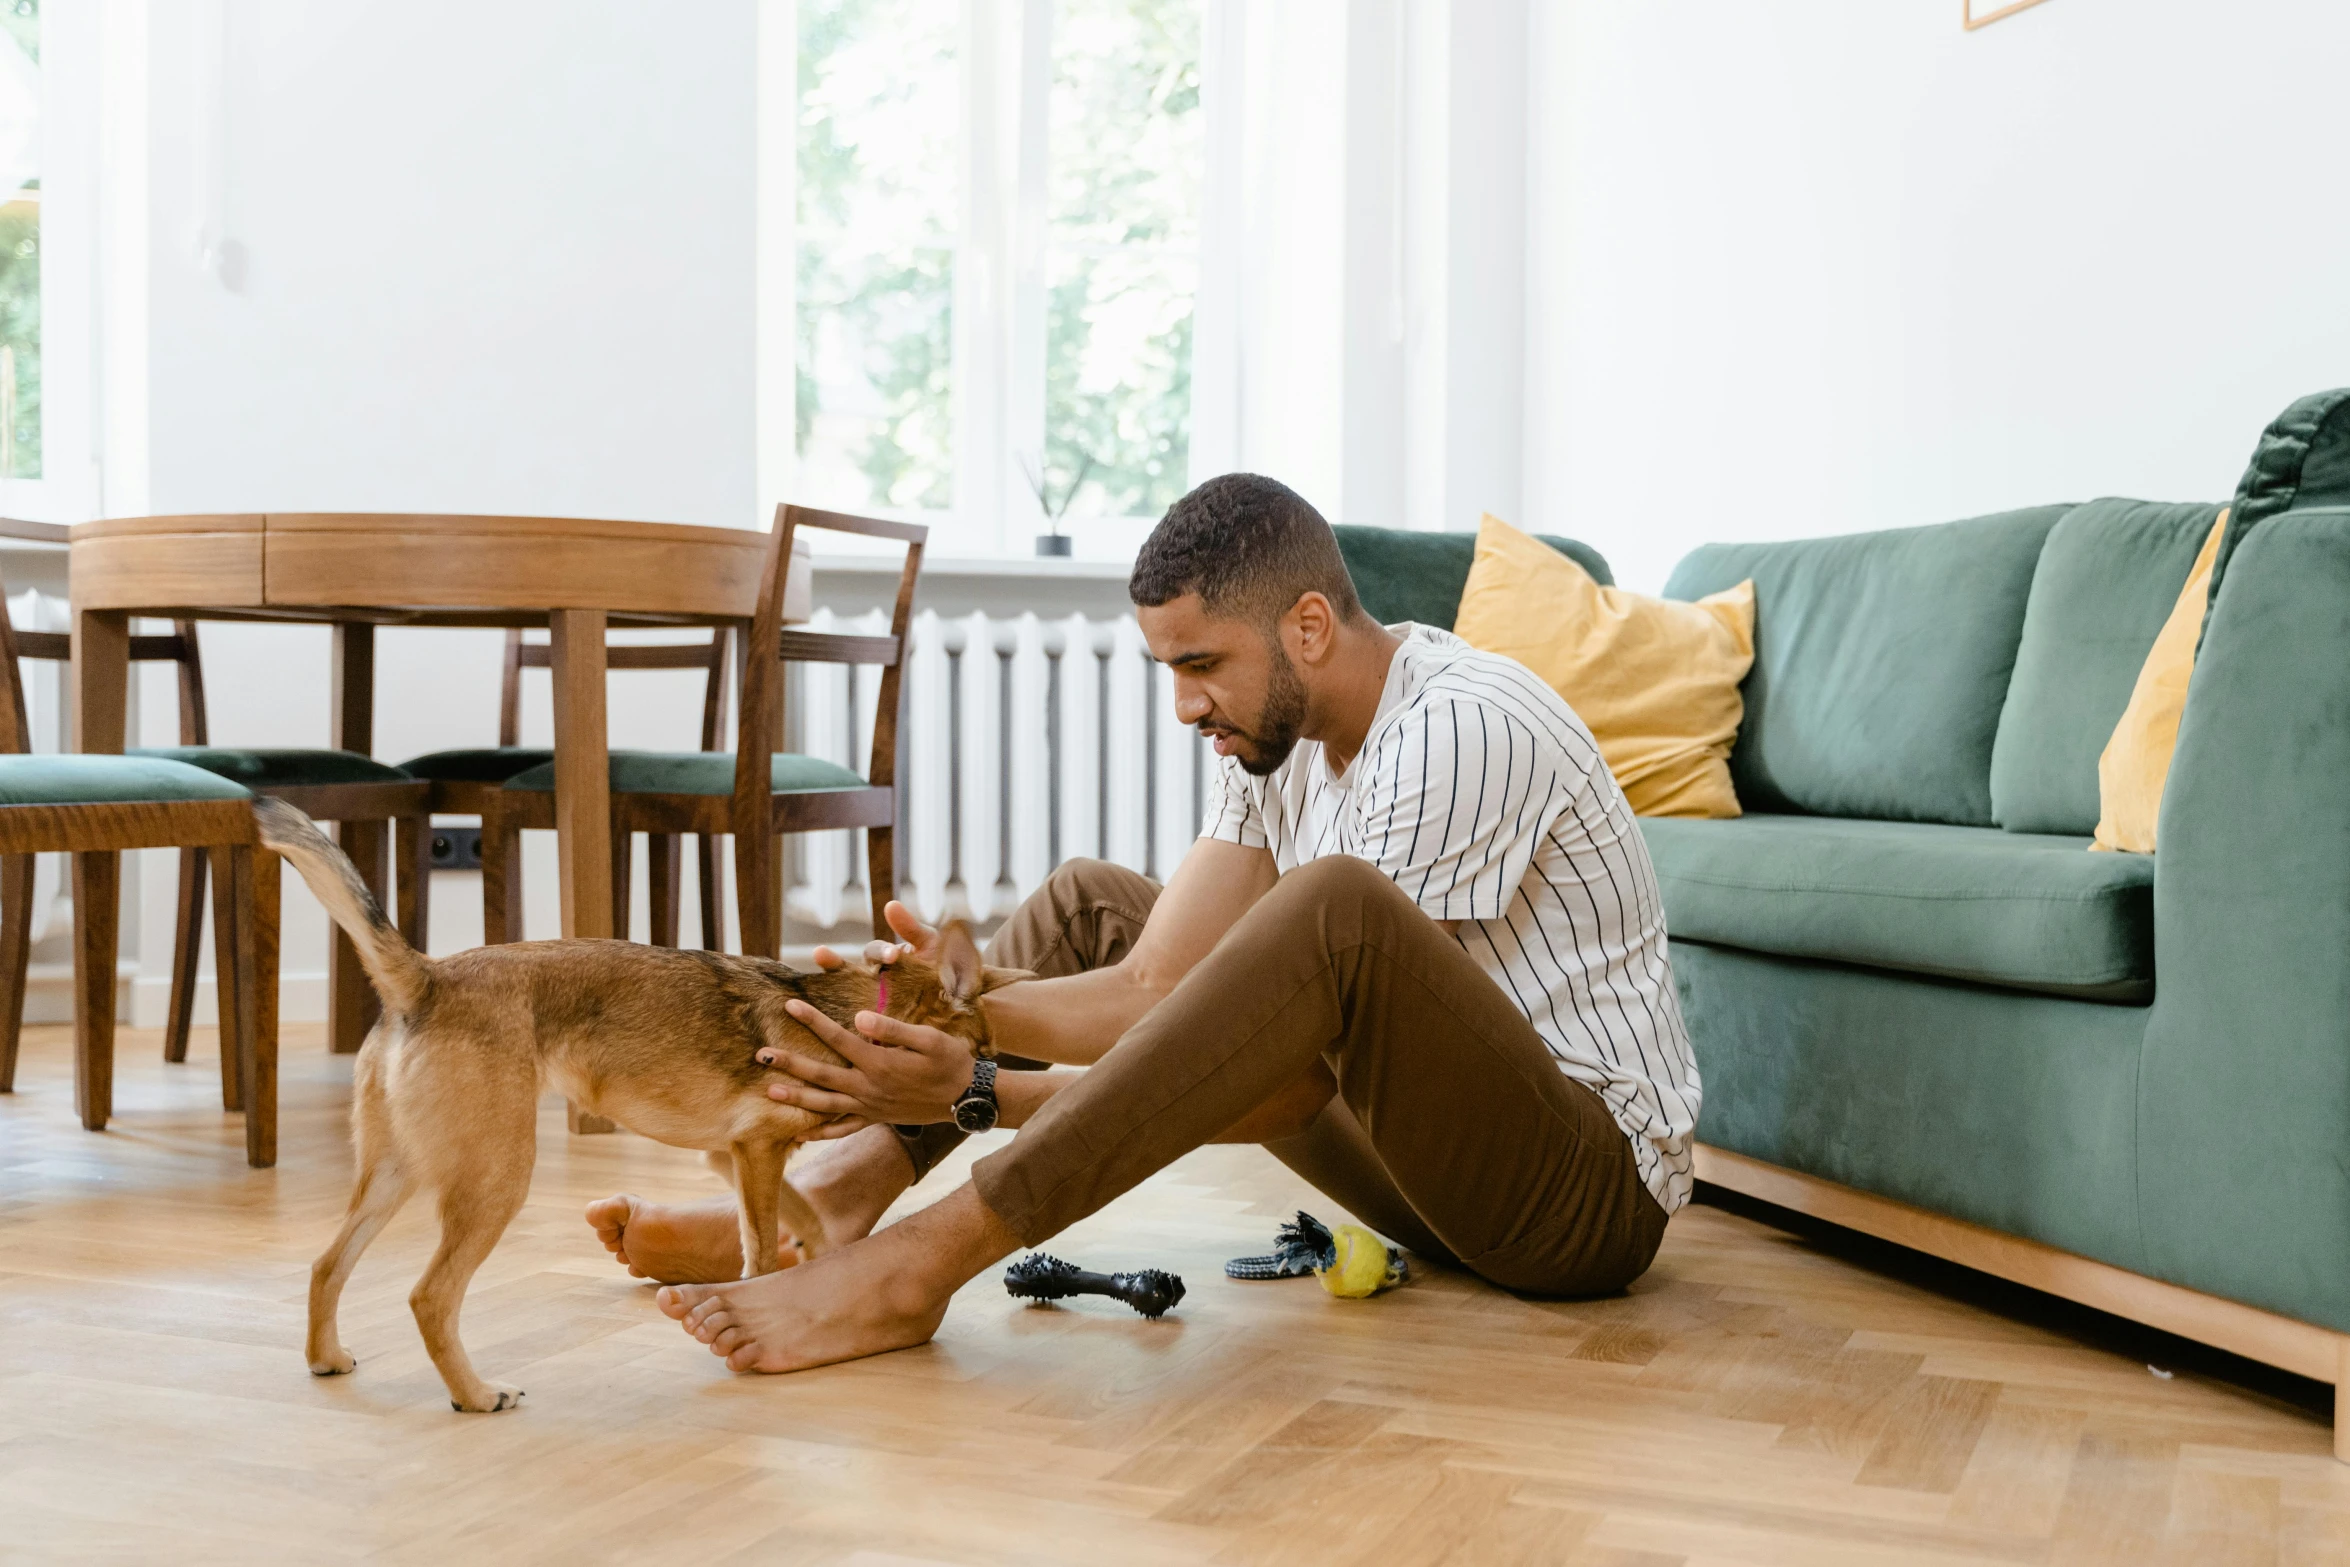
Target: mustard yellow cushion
2136 760
1656 680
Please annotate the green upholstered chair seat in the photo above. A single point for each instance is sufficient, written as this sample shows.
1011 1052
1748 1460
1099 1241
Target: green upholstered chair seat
280 768
701 772
483 764
2021 910
108 780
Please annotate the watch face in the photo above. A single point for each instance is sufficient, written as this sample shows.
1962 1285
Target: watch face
975 1114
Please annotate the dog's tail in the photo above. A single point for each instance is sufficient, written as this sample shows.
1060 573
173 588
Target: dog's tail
400 972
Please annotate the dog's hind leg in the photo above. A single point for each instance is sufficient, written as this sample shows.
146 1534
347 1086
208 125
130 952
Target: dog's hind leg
381 1187
478 1201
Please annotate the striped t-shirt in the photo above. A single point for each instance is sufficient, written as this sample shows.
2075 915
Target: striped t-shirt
1482 795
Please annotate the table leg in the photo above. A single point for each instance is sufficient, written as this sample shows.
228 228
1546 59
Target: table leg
583 786
101 679
350 1001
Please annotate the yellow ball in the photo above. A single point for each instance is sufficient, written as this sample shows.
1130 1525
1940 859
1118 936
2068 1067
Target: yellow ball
1361 1268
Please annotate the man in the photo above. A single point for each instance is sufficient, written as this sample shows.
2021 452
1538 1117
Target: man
1418 952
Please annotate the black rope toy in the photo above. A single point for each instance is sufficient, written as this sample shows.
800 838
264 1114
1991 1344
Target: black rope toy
1150 1291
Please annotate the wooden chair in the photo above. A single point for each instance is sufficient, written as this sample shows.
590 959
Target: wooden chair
464 781
358 793
94 807
755 793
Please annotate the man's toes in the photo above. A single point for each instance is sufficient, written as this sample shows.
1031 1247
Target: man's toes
707 1328
676 1300
609 1217
725 1342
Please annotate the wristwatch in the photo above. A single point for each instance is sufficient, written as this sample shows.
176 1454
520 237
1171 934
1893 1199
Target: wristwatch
976 1111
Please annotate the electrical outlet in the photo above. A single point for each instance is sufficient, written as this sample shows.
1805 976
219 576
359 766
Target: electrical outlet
456 848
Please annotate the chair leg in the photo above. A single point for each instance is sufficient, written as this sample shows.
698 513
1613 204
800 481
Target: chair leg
713 891
351 1004
255 894
412 839
226 937
187 950
754 881
97 890
622 845
16 951
663 865
501 879
881 871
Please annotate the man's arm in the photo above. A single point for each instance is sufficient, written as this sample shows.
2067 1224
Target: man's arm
1074 1020
905 1072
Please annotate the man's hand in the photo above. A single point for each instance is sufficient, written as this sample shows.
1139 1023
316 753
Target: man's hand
914 938
901 1073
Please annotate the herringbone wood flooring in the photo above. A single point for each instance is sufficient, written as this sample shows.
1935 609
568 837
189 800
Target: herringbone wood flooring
1757 1398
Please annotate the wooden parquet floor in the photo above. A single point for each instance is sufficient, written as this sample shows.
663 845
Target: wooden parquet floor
1758 1398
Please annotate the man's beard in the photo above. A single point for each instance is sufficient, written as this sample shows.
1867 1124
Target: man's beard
1262 750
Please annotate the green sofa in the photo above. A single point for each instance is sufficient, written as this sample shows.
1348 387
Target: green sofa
1907 978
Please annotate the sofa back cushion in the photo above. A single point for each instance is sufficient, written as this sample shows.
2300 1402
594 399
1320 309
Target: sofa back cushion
2108 578
1881 662
1402 575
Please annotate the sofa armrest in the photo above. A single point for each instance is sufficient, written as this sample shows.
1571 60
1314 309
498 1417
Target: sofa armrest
2244 1090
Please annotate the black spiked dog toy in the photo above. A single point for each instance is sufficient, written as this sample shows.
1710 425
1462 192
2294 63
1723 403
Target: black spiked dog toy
1041 1277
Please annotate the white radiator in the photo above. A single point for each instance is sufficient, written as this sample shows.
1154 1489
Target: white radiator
1022 743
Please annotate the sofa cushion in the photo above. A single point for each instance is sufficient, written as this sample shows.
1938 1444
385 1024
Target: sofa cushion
1403 575
107 780
1881 662
2025 911
700 772
288 768
2108 578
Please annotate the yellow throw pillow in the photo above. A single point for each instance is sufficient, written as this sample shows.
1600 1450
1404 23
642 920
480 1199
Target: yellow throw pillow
1656 680
2136 761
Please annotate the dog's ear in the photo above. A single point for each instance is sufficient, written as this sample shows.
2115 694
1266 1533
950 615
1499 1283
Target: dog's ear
959 969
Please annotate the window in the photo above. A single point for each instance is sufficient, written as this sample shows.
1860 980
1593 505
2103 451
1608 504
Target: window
20 239
995 269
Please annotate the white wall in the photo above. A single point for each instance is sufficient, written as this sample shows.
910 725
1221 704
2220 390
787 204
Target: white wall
1804 269
464 258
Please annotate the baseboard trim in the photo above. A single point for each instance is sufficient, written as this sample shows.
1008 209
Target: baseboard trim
2285 1342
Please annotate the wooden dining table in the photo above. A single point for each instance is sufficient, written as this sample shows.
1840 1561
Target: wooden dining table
356 571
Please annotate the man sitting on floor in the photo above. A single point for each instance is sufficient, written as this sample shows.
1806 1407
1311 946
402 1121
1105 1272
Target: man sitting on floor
1418 953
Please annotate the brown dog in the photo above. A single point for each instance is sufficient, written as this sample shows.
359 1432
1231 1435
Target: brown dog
446 1089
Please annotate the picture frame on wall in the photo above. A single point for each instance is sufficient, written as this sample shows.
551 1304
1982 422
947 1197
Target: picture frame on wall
1982 13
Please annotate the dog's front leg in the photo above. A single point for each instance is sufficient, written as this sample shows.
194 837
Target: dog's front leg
758 1185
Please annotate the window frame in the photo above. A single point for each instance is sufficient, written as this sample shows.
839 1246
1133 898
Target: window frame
997 399
69 487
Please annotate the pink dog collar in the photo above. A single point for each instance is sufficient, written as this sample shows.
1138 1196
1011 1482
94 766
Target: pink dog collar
881 994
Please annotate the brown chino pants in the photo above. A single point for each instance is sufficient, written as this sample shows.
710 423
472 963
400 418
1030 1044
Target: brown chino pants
1453 1130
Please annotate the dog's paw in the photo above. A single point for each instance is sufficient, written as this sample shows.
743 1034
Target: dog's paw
334 1365
494 1398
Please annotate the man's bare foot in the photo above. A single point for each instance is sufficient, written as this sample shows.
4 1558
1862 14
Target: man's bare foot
698 1243
888 1291
852 1181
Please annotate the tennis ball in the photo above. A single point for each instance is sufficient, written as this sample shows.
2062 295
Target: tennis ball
1360 1266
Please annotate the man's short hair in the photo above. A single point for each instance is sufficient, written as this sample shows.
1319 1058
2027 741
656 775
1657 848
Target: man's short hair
1249 546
